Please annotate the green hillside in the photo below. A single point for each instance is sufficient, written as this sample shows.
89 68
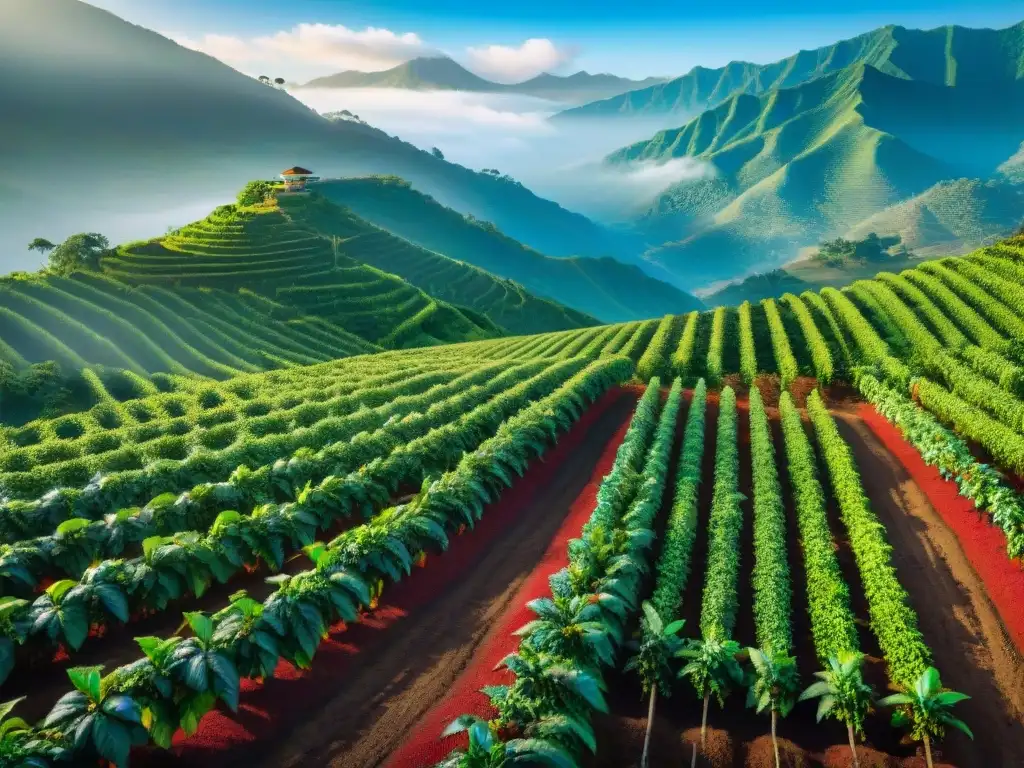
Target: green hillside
504 302
265 249
796 165
961 214
293 281
604 288
426 73
951 56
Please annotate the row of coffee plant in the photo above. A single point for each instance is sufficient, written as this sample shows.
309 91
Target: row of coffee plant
580 630
148 700
170 567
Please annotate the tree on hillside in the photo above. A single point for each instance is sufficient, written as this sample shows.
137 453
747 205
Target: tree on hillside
81 251
278 81
836 253
264 79
42 245
437 153
255 192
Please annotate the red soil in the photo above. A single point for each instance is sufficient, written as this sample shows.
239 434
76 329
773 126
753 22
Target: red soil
424 747
982 542
282 710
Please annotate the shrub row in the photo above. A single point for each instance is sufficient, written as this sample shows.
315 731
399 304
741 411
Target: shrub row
893 621
772 592
748 352
721 583
1006 445
788 369
828 596
247 639
940 447
821 356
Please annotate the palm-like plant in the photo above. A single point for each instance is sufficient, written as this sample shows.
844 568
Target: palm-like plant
487 750
774 686
713 668
658 645
925 710
843 694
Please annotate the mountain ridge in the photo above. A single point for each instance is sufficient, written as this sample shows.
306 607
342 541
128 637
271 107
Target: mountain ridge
794 165
427 73
893 49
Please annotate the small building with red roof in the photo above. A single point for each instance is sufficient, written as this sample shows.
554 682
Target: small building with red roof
296 178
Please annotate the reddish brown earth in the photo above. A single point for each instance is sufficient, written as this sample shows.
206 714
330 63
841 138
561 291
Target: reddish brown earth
959 621
371 691
371 682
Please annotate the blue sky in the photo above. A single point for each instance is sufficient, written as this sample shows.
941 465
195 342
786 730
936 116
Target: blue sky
658 38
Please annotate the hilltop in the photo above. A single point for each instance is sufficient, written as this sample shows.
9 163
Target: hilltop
795 165
88 121
440 73
950 56
604 288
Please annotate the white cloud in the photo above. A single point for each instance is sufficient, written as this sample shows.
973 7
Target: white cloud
313 49
512 64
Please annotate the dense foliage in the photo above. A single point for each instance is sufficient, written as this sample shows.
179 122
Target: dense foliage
893 621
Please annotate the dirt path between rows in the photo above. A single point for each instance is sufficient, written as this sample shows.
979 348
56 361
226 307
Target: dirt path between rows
959 622
409 667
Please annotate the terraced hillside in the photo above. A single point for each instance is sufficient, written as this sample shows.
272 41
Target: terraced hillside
503 301
605 288
264 249
93 319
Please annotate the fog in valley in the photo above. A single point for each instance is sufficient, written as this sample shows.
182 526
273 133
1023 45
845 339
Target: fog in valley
557 159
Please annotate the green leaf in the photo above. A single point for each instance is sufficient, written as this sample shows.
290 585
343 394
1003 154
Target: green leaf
123 708
74 622
959 725
86 680
72 525
202 626
8 706
58 589
675 627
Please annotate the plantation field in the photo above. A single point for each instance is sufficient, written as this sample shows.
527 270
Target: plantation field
204 569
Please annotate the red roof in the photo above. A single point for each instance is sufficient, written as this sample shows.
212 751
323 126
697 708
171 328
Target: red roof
296 171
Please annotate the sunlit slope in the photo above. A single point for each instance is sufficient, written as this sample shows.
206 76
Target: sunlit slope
798 164
92 319
502 301
949 56
263 249
967 211
604 288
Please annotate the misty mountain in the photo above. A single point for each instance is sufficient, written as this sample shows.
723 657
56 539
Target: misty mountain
950 56
796 165
125 125
605 288
440 73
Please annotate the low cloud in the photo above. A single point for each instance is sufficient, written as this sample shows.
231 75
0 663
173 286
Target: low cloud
561 161
474 129
513 64
308 50
653 176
